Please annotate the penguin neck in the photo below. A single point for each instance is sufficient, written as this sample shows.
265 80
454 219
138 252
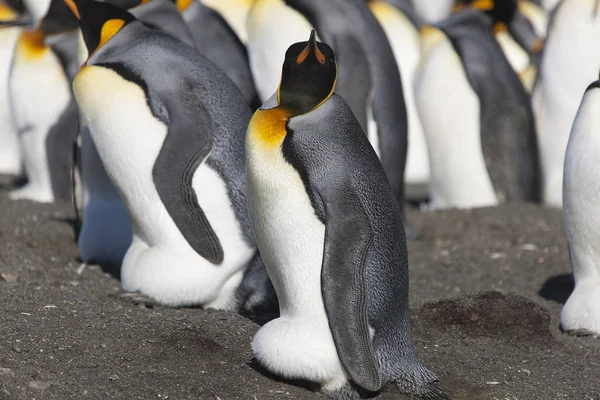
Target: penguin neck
31 45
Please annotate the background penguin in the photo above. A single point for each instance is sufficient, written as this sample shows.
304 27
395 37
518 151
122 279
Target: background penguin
44 111
342 279
476 116
218 42
515 33
432 11
568 65
105 233
10 152
401 24
235 13
174 149
581 313
369 77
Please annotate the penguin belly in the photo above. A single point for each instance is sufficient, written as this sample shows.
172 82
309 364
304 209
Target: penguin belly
568 66
267 42
10 152
159 263
450 112
581 312
298 344
404 39
106 231
40 93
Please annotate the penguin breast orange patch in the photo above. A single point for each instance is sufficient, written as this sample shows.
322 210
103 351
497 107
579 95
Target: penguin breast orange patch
267 127
31 45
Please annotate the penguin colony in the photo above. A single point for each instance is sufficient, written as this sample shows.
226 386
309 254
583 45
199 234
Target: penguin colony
226 161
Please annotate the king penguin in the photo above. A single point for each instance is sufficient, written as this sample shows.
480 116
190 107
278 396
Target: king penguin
342 279
567 67
369 77
401 24
105 233
10 151
43 108
172 143
515 33
581 313
476 115
217 41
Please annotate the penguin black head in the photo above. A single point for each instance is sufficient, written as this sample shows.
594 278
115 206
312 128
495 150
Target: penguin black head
98 21
501 11
308 77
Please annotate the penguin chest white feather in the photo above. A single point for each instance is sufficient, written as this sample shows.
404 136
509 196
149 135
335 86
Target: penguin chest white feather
450 112
40 93
582 219
404 39
568 66
291 240
267 42
10 153
433 10
160 262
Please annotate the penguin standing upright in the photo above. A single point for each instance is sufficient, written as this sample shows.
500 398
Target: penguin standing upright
567 67
43 108
10 152
218 42
401 24
581 313
476 116
342 279
369 77
105 233
172 143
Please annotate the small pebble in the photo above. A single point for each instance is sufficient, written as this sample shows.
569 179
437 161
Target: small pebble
5 371
39 385
16 349
8 277
493 383
113 377
528 372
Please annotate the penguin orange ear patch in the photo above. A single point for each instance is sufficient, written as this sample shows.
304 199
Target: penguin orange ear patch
110 29
484 5
73 7
182 5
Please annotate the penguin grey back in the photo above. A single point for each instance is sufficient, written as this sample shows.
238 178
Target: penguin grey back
508 137
218 42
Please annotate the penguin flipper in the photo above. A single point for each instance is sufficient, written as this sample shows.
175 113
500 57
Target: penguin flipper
188 143
348 239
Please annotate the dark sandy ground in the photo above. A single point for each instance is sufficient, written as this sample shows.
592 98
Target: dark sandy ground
486 292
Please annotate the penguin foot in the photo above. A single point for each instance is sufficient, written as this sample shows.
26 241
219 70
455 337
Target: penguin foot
582 333
33 193
138 299
581 313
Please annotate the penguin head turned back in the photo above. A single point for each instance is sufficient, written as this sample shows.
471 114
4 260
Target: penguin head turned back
308 77
501 11
98 21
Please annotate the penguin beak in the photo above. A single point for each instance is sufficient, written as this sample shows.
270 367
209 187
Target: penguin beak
311 48
73 7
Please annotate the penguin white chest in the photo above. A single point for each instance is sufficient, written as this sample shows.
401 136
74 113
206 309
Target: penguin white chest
288 232
291 238
450 112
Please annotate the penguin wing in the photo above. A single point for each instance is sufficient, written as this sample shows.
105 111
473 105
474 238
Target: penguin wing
188 143
348 239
